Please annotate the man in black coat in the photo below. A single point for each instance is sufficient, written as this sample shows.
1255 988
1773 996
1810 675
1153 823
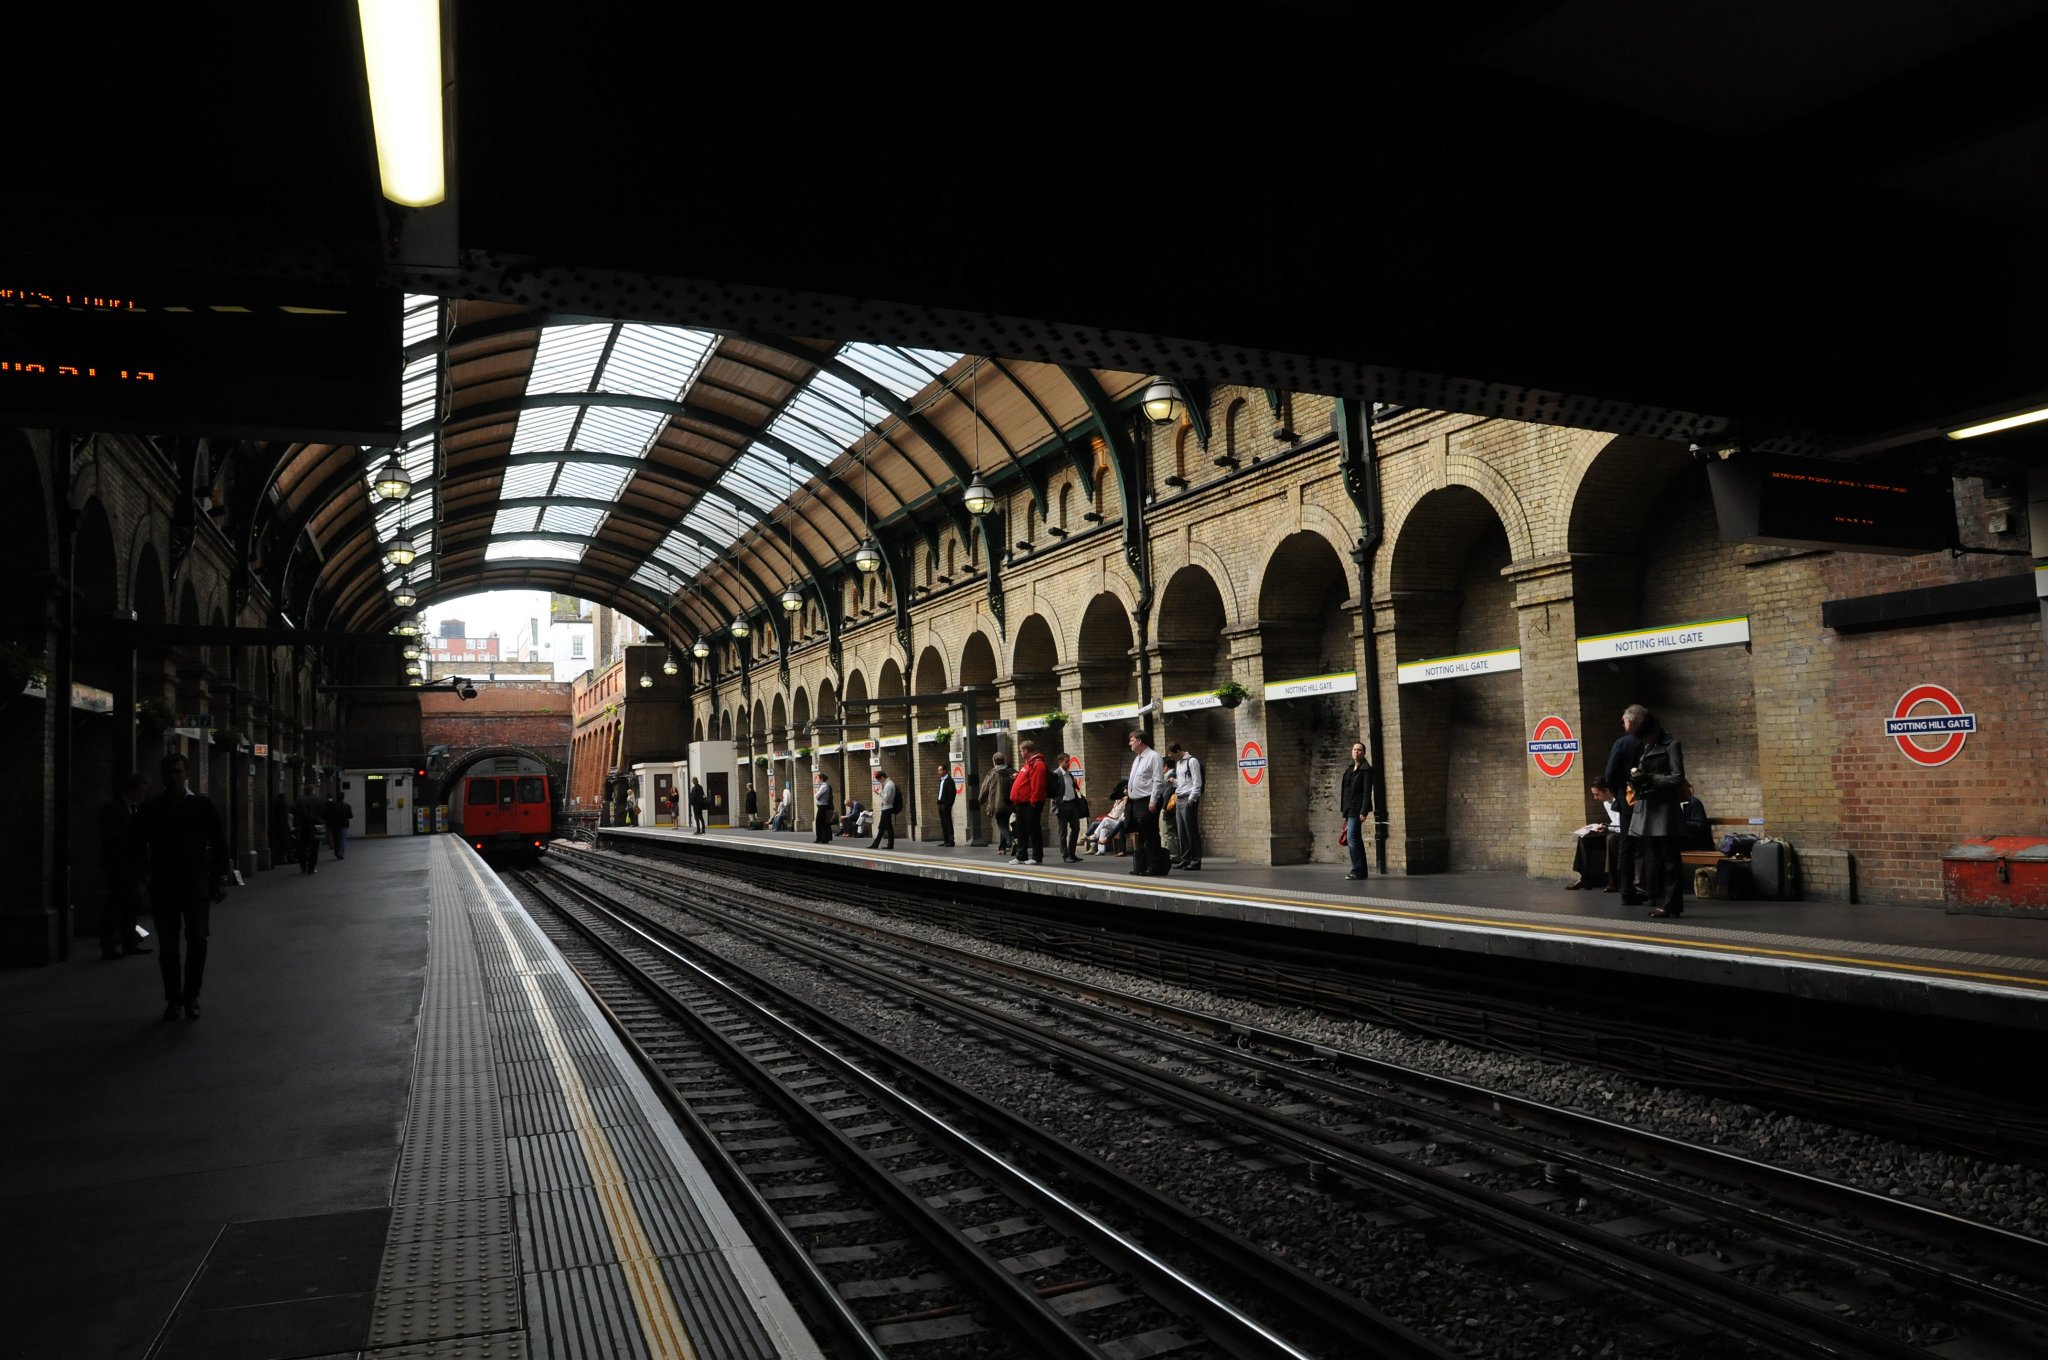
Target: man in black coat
949 790
121 863
1625 755
187 851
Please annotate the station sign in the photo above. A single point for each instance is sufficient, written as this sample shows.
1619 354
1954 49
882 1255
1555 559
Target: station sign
1031 724
994 728
260 749
1311 686
1251 762
1930 713
1189 703
1678 637
1112 713
1459 667
1553 747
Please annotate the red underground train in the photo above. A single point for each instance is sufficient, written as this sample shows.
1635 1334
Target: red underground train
508 817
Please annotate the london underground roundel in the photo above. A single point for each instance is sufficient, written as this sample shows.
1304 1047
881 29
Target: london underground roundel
1553 747
1929 724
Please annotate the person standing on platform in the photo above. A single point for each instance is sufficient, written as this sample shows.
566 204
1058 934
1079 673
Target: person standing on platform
821 799
753 808
121 863
1146 787
949 790
306 814
1659 782
186 848
888 802
1354 804
280 830
1027 805
1187 804
697 823
632 806
1621 758
1072 807
338 815
995 801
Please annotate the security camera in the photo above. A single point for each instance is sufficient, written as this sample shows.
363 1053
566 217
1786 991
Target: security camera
468 691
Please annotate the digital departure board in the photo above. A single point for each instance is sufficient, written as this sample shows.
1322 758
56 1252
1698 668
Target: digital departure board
1813 503
90 349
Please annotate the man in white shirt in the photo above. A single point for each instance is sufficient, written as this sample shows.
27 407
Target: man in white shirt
888 802
1593 853
1146 789
1187 804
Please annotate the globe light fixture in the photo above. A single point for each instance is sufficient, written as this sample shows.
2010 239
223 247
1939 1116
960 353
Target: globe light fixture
868 557
411 651
399 550
740 627
408 628
646 680
1162 402
668 664
393 482
405 597
792 599
979 499
701 648
412 668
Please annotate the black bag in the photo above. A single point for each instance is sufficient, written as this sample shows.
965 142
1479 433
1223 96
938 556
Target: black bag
1773 868
1737 843
1733 881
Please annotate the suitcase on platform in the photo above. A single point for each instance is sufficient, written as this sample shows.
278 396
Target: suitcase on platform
1772 866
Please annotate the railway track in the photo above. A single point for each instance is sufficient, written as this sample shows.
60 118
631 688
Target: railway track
910 1210
1712 1245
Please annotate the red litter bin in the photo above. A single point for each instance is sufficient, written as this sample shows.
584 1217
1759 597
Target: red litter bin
1996 876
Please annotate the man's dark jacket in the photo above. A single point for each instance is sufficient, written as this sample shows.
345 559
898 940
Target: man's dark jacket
1625 755
1356 796
184 840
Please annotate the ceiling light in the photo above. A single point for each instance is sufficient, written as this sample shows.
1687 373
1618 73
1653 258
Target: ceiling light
668 664
412 668
792 599
979 500
399 550
405 597
868 557
402 51
410 651
2003 423
739 626
393 482
701 648
1162 402
646 680
408 628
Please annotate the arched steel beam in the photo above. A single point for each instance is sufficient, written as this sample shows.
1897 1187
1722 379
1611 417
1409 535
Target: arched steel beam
1123 458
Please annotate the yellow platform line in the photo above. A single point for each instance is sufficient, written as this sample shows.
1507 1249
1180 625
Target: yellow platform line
660 1322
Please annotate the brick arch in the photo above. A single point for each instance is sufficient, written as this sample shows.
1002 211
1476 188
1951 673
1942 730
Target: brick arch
1311 520
1484 483
1609 482
1236 609
1047 613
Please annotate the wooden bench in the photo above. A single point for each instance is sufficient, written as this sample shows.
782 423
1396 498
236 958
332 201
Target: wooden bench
1707 859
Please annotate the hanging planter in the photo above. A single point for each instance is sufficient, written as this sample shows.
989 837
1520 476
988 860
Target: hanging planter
227 738
942 735
155 716
1230 694
21 667
1056 720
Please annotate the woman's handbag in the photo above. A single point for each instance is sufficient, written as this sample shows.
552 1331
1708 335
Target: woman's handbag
1344 834
1172 800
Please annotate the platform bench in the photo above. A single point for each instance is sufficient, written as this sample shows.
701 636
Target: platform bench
1720 826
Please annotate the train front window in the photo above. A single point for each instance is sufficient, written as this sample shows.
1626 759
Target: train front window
530 791
483 792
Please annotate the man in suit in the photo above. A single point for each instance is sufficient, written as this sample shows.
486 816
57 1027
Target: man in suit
888 803
821 800
949 790
1625 755
187 851
121 863
306 815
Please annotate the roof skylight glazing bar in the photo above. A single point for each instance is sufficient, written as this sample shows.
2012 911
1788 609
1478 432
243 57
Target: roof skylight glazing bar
419 385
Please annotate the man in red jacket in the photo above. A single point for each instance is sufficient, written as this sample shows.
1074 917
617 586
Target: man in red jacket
1027 800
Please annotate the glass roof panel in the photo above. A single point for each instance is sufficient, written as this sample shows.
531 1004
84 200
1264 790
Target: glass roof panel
655 361
598 481
717 521
686 554
515 522
822 419
545 430
766 479
618 429
548 549
567 356
572 519
904 372
527 479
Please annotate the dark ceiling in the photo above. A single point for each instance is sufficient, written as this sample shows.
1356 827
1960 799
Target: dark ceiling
1808 227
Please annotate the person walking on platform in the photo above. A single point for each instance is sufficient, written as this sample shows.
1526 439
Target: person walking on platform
306 814
1146 787
1621 758
1072 807
1027 805
1187 804
821 799
995 801
697 823
1659 780
186 848
1354 805
121 863
949 790
338 815
888 802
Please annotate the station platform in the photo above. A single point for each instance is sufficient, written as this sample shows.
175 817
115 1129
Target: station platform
399 1130
1909 959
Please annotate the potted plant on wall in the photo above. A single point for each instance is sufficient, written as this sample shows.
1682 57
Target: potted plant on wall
1056 719
155 716
1231 694
227 738
942 736
21 667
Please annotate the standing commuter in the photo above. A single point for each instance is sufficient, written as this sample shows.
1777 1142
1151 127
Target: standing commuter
280 829
821 797
888 802
949 789
187 850
306 814
1072 808
339 814
1027 805
1145 787
1354 803
752 809
1187 804
1659 779
697 800
1621 758
995 801
121 863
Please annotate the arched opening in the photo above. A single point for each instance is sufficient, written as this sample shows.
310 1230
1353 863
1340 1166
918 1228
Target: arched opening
1457 787
978 669
1194 658
1034 671
931 679
1306 630
1102 657
102 743
889 744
